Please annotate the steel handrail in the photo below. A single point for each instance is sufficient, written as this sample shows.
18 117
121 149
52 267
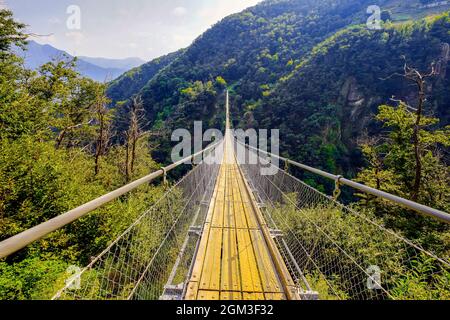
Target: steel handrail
23 239
420 208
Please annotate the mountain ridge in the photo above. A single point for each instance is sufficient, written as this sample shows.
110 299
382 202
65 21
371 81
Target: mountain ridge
254 51
99 69
132 81
124 64
333 94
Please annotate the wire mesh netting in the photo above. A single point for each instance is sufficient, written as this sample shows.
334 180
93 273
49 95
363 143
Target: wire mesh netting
329 248
153 256
339 252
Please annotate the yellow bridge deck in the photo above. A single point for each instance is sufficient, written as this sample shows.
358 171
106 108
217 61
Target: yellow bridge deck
237 259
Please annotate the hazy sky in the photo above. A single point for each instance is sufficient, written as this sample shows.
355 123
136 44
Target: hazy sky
122 28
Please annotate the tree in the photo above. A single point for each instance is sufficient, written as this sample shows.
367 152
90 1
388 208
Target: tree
103 121
10 33
68 99
399 149
55 126
408 162
133 134
15 102
419 79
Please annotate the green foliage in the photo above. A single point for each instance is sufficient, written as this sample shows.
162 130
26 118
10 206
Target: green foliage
392 168
30 279
353 69
130 83
250 49
11 33
326 232
56 153
221 81
415 284
310 75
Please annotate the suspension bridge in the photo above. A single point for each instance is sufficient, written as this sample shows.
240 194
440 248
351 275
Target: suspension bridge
225 231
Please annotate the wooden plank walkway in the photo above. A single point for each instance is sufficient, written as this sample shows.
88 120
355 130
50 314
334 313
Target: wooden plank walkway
237 259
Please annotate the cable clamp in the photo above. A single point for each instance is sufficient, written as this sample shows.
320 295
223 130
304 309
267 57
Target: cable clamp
337 187
286 166
164 175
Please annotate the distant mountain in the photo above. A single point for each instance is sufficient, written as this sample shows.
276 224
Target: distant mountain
131 82
99 69
123 64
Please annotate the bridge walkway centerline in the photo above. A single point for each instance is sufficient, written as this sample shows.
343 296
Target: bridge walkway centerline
236 258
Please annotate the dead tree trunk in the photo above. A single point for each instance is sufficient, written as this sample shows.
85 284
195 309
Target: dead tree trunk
127 157
103 135
133 134
420 80
99 144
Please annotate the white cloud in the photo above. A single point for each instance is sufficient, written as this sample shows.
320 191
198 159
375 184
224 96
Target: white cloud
213 14
180 39
54 20
76 37
156 27
179 11
3 5
129 45
48 39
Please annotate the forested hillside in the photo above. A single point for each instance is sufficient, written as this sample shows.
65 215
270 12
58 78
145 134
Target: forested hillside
343 97
329 101
253 52
314 70
131 82
56 154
